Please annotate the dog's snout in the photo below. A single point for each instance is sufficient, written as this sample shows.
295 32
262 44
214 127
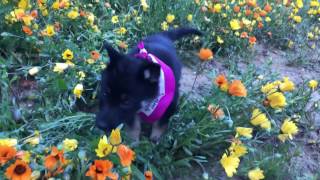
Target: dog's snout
101 121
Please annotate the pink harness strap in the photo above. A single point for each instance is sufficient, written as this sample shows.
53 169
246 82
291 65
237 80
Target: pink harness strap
154 109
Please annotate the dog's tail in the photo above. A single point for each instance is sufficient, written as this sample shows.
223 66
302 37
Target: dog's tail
181 32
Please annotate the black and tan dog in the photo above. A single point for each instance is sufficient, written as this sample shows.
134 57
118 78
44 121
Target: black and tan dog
142 82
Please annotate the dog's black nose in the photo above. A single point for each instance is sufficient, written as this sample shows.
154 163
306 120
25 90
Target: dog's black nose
101 123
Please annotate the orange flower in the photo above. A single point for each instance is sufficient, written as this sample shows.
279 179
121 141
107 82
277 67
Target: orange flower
82 13
95 55
205 54
221 80
248 12
237 89
34 13
244 35
122 45
267 8
55 161
251 3
57 26
101 169
18 171
252 40
6 153
256 15
216 112
260 25
236 9
263 13
27 30
126 155
148 175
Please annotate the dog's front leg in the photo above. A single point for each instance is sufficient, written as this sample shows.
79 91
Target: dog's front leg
158 129
134 129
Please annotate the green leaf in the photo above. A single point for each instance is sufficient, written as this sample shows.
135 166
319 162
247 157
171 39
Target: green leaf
155 172
137 174
61 84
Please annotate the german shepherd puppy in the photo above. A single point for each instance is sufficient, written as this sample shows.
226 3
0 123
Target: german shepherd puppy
132 82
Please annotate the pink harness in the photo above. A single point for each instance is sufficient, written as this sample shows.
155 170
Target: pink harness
154 109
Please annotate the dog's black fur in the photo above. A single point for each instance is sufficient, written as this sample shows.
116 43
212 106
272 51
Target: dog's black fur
127 81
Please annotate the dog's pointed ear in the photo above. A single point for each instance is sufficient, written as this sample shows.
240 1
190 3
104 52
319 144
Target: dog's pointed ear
113 54
150 72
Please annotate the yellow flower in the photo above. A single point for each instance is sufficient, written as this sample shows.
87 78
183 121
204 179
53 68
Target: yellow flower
33 140
164 26
242 131
189 17
121 31
90 17
23 4
81 75
104 148
26 156
238 149
220 40
310 35
67 54
27 20
96 29
50 30
297 19
60 67
55 5
290 128
286 85
170 18
277 100
268 19
269 88
314 3
299 4
73 14
217 8
224 87
44 12
114 19
230 164
144 5
8 142
35 175
70 144
260 119
290 44
115 137
33 71
235 24
77 91
255 174
283 137
313 84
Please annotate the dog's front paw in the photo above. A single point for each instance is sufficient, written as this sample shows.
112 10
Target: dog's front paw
134 134
157 132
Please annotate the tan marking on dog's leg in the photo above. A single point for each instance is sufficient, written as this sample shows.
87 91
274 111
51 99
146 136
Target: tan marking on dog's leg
157 131
134 131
